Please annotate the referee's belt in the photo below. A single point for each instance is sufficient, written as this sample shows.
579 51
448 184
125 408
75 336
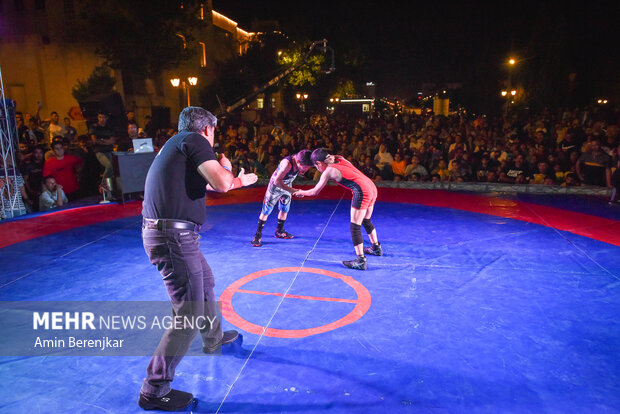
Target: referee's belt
165 224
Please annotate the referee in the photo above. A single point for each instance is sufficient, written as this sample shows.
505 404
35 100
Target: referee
173 211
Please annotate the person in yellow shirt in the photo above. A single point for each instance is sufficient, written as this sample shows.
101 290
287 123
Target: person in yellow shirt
398 166
442 170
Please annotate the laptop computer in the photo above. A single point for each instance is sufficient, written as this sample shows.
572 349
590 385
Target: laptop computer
142 145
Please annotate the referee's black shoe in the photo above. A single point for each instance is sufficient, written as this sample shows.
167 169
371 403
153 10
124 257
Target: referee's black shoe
228 338
175 400
358 264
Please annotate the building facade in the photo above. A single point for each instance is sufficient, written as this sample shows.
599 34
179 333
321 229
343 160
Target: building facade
42 57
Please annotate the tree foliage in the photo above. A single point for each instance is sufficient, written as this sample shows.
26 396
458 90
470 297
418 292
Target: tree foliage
141 36
307 74
100 81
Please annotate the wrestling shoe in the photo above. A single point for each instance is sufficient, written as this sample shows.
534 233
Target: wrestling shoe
175 400
228 338
358 264
283 235
374 249
256 241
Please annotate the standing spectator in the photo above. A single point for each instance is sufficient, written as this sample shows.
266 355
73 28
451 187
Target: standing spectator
18 191
150 129
63 168
32 171
131 117
54 128
70 132
594 166
52 196
104 139
35 135
22 130
89 177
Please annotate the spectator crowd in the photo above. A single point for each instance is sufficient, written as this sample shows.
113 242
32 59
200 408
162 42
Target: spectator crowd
567 147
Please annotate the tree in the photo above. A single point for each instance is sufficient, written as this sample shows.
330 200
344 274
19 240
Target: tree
141 37
100 81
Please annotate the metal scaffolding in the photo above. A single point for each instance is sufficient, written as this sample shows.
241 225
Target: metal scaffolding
10 197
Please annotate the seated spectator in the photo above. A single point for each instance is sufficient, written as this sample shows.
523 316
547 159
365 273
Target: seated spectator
383 162
442 170
63 168
615 182
482 170
52 196
368 169
415 167
398 167
594 166
516 172
383 158
542 174
558 173
571 180
271 165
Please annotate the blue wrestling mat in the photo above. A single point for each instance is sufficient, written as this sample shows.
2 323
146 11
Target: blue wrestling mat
465 313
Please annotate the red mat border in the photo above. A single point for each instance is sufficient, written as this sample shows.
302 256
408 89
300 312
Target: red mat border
598 228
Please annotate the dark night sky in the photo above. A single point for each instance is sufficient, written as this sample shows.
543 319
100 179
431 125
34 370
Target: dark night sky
410 42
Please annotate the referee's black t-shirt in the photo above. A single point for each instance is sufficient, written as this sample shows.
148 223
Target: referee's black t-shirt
174 189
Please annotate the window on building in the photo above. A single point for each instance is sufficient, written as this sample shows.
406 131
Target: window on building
260 103
39 4
203 50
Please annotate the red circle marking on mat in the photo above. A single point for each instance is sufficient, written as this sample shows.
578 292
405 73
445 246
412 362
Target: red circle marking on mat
362 304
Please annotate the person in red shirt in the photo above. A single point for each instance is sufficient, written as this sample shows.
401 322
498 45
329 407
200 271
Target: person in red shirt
337 168
63 167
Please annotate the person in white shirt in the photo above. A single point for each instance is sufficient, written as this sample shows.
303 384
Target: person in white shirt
53 196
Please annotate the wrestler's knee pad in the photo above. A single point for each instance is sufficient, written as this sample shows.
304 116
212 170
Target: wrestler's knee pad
356 234
368 226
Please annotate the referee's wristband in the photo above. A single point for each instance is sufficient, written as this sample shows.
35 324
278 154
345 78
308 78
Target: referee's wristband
225 167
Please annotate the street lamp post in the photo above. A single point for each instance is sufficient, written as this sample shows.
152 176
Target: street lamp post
185 85
302 97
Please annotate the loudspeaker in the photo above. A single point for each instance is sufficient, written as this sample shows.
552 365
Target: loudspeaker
160 116
130 170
